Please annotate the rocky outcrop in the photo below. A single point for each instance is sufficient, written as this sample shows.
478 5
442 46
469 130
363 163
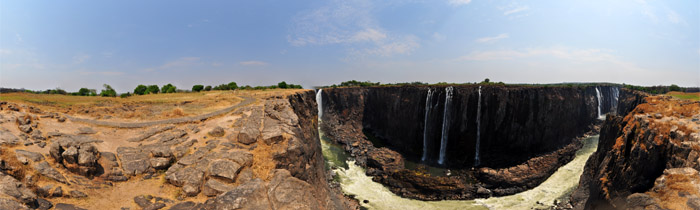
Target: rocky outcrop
646 159
76 155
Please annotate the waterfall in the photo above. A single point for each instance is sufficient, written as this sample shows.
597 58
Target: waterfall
600 103
319 102
428 107
445 124
478 131
616 99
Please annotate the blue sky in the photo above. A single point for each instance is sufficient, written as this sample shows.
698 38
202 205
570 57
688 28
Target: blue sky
73 44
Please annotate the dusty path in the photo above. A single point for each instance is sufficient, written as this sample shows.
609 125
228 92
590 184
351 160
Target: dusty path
246 101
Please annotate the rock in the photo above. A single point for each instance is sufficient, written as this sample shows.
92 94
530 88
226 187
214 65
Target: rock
78 155
247 196
142 201
61 119
215 187
65 206
44 169
150 132
77 194
10 204
36 135
86 130
30 155
7 138
385 159
10 187
187 205
287 192
155 206
160 163
43 204
224 169
133 160
58 192
25 128
217 132
189 178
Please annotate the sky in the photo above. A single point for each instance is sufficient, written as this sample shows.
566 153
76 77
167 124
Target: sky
74 44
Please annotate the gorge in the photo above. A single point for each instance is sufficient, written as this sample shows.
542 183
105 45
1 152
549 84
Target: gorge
427 137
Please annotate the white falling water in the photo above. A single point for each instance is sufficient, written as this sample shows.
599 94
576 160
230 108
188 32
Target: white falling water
616 99
428 107
445 124
319 102
600 103
477 161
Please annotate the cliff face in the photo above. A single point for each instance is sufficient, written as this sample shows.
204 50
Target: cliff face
646 159
516 123
525 132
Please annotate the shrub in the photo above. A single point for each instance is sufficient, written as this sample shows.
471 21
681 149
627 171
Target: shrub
169 88
108 91
232 86
207 88
152 89
674 87
125 95
197 88
84 92
140 90
282 85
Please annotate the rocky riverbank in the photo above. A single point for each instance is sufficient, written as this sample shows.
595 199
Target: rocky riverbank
647 159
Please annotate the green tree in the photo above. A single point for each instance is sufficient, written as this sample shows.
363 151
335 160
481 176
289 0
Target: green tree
108 91
674 87
84 92
152 89
125 95
282 85
140 90
197 88
232 86
169 88
207 88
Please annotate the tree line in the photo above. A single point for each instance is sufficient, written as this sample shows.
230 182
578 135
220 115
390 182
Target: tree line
141 89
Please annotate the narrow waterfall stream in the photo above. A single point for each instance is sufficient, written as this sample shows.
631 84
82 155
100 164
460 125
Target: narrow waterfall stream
477 148
600 103
445 124
426 125
354 181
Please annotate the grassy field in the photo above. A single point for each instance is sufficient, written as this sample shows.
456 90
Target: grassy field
681 95
152 106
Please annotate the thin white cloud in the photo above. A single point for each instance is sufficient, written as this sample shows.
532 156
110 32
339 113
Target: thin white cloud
103 73
516 10
647 10
351 24
439 37
458 2
5 52
492 38
673 17
81 58
19 37
573 55
176 64
252 63
403 46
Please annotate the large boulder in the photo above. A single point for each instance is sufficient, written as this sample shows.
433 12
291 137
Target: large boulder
76 155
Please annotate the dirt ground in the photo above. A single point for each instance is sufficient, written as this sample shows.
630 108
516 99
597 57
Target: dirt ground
132 109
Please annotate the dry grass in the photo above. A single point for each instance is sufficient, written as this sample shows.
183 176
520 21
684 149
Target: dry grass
676 183
682 95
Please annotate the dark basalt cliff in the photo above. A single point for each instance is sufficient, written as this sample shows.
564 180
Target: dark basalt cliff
517 124
648 159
